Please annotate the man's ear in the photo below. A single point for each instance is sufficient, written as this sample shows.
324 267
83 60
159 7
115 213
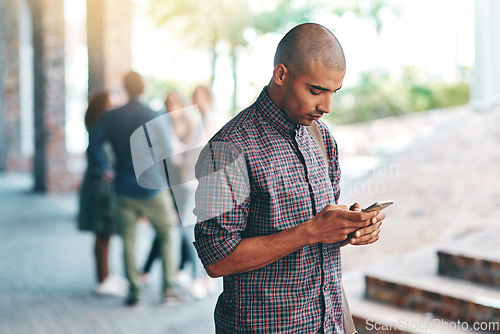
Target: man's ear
279 74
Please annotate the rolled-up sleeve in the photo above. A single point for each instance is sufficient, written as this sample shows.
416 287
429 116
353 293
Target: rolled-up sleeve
222 201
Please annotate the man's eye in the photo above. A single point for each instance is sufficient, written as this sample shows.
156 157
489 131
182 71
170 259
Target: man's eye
313 92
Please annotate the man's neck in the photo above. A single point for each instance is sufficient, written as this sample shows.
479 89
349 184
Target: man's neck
273 94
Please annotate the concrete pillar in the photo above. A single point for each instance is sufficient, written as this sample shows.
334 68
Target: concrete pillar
3 145
118 43
58 178
50 165
485 88
10 149
109 35
50 159
95 44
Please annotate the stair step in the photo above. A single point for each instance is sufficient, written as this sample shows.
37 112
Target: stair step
474 257
411 283
375 318
371 317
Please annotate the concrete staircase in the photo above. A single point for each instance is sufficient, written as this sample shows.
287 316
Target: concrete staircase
452 289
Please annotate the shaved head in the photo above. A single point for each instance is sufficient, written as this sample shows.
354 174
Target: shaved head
306 43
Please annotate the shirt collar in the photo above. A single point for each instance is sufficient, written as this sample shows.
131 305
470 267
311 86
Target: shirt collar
275 115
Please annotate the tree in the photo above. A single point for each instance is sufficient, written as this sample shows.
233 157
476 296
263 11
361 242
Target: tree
205 23
372 11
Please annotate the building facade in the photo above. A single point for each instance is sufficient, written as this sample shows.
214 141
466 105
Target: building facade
33 118
32 82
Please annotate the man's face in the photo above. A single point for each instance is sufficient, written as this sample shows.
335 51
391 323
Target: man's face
307 96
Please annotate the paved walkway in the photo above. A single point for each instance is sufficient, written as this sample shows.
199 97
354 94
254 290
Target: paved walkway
47 274
443 177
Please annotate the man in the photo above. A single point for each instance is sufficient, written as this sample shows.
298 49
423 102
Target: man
278 244
134 201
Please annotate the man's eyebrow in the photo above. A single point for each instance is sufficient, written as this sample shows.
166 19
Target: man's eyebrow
323 88
320 88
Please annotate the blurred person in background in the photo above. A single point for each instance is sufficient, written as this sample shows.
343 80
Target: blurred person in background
134 201
191 134
187 128
212 121
182 124
182 128
205 127
96 209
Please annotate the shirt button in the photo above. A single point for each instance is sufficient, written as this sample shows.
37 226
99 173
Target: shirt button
327 323
325 287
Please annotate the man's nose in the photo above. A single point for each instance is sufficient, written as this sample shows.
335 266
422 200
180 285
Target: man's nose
325 104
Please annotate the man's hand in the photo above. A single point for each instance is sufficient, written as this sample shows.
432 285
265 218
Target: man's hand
366 235
109 176
334 223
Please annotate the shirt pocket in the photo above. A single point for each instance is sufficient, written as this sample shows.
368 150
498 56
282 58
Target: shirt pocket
280 196
292 197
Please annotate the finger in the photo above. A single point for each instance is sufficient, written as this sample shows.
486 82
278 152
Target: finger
365 231
380 216
367 242
355 207
368 238
354 225
359 216
369 232
336 207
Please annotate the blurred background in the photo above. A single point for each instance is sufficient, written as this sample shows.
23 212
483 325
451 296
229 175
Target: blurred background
416 121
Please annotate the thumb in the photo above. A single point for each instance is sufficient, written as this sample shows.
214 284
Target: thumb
355 207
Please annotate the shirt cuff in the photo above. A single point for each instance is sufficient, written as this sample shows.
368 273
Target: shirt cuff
212 249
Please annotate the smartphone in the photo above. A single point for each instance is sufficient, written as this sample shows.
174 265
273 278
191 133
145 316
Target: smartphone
378 206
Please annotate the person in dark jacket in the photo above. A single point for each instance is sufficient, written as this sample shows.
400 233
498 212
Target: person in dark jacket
134 201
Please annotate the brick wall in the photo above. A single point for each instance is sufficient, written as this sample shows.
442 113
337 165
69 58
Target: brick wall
13 159
412 298
109 34
117 42
58 179
469 268
116 30
3 146
55 161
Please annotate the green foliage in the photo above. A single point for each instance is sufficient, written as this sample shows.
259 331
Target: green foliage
371 11
202 24
377 97
205 23
157 89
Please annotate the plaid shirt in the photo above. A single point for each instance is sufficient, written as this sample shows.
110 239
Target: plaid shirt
274 176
